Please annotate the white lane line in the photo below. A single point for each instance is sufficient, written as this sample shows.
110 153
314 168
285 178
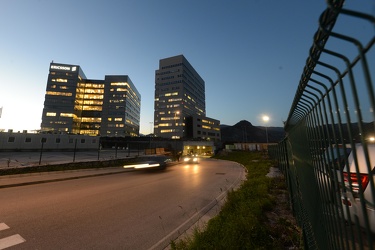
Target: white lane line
3 226
11 241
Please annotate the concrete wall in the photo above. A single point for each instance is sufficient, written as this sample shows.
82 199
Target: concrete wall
29 141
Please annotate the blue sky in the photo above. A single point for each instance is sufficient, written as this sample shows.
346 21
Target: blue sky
250 53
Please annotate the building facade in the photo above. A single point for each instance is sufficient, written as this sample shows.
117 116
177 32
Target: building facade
59 104
121 108
77 105
205 128
179 94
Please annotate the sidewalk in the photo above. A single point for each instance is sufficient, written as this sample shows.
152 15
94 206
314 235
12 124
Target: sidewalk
43 177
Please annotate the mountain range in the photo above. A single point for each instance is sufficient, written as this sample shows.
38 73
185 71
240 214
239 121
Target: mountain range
244 131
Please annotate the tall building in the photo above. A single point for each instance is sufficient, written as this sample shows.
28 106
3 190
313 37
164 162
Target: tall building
121 108
60 113
75 104
180 102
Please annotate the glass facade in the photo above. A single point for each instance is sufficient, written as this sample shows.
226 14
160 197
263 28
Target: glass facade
179 93
122 106
88 107
59 103
75 104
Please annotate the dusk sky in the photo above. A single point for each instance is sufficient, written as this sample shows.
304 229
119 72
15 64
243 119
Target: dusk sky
250 53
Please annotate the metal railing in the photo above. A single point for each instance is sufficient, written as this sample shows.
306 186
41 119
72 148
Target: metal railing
328 154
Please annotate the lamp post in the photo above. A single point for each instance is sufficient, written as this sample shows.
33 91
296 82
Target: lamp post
151 123
266 119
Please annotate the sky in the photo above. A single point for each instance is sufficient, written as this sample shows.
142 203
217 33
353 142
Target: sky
250 53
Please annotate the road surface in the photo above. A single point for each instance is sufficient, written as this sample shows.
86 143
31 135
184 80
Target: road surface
129 210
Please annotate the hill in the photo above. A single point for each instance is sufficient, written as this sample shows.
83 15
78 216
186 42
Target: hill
244 131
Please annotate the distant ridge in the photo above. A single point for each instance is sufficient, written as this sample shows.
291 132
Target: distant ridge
244 131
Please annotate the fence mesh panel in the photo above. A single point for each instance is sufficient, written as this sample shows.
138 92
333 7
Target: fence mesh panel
328 154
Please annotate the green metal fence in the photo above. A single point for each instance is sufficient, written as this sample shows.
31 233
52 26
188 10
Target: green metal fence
328 154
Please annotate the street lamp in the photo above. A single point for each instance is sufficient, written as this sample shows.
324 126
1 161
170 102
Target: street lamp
266 119
151 123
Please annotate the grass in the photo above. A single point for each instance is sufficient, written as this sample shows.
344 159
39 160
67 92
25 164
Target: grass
255 216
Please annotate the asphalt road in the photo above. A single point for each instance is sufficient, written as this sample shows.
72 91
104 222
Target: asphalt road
129 210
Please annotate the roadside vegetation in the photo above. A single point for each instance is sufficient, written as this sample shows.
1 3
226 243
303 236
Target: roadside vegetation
255 216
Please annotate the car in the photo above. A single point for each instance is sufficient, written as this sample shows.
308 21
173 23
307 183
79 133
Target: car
191 158
150 162
328 167
336 160
358 177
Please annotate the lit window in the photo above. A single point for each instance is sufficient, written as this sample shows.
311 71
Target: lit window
59 93
91 119
66 114
118 119
119 84
50 114
121 90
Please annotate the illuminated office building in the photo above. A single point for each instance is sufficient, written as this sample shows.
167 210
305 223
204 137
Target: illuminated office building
75 104
180 105
121 108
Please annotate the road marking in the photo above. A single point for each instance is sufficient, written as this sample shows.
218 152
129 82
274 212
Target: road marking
11 241
3 226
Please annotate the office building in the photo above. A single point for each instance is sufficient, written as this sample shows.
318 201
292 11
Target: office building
180 105
121 108
77 105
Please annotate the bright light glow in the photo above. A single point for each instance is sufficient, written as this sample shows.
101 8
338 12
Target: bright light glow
144 165
193 159
372 139
195 169
265 118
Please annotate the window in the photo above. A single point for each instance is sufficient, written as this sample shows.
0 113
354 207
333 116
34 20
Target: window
70 140
58 140
59 93
11 139
83 140
27 139
43 140
50 114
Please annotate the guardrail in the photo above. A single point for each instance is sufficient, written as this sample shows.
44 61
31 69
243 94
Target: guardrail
328 154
